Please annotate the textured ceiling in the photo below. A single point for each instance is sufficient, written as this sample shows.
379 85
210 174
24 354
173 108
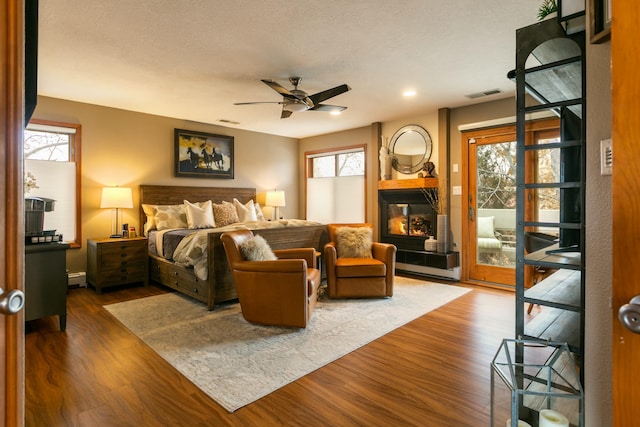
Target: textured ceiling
194 59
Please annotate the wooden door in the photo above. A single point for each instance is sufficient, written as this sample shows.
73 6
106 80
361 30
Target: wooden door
495 198
490 216
625 83
11 208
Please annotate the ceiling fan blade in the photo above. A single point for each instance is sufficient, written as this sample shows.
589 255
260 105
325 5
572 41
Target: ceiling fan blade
326 107
258 102
285 114
278 88
329 93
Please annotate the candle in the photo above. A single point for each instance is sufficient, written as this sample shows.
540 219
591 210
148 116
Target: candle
550 418
520 423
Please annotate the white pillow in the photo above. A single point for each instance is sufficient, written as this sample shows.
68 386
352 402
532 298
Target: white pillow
246 212
259 213
485 227
199 215
150 223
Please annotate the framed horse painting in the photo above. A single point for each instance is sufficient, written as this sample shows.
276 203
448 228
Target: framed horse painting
203 155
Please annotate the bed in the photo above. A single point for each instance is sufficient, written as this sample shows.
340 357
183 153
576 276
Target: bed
213 283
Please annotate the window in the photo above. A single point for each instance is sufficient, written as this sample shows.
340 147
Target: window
52 171
349 163
336 185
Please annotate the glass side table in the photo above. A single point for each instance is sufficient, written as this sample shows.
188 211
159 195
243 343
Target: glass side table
535 384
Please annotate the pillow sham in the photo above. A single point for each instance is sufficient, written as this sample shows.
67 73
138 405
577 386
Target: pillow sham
150 223
224 214
170 216
259 214
354 242
199 215
246 212
257 249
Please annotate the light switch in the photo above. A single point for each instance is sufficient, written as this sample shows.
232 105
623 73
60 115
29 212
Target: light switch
455 167
606 157
457 190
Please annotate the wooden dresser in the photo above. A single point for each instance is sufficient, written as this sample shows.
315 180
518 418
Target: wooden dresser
46 281
115 261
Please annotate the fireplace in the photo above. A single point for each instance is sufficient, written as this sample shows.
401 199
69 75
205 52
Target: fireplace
407 219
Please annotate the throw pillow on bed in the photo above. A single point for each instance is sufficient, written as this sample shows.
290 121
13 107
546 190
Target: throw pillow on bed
170 216
257 249
354 242
199 215
246 212
225 214
259 213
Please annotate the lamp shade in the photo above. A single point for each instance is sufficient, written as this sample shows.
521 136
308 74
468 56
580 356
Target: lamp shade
275 199
116 198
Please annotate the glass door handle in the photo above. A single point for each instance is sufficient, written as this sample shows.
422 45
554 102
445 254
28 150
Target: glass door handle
11 302
629 315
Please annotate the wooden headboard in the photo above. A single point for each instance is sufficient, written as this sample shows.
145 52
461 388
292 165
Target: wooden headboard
175 195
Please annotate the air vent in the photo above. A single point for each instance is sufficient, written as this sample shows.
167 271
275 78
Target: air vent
485 93
231 122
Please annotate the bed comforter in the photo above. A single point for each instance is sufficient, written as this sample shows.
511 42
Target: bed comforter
192 250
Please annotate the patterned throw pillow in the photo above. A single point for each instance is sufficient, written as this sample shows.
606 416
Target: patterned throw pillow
257 249
199 215
170 216
225 214
354 242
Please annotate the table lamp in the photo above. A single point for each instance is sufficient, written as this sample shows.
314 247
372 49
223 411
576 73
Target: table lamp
276 200
116 198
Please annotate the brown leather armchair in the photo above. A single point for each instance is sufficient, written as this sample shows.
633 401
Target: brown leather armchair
359 277
281 292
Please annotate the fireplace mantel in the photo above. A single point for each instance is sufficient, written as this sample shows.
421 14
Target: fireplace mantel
398 184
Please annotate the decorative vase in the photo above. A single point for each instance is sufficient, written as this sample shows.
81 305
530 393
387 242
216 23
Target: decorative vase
443 234
387 167
385 164
431 244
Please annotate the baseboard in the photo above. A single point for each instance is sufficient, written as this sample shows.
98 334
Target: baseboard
77 279
449 274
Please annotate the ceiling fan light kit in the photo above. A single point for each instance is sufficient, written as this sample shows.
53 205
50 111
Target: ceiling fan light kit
297 100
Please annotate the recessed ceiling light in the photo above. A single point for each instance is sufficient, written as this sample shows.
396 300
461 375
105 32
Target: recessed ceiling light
409 93
335 112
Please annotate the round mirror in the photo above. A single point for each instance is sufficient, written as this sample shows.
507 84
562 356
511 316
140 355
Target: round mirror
410 148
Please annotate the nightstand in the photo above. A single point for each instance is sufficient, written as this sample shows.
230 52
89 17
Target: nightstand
115 261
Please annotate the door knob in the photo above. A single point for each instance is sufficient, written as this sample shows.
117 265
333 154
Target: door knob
629 315
11 302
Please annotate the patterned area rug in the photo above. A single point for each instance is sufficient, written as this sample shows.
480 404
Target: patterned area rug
237 363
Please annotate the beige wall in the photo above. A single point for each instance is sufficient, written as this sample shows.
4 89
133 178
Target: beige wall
128 149
598 344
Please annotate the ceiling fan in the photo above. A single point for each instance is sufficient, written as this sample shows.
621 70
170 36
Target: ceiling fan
296 100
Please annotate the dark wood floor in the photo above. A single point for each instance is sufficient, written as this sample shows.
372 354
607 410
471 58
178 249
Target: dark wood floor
433 371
